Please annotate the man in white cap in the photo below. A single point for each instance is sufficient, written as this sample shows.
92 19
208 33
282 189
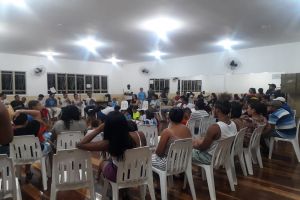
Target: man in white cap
284 104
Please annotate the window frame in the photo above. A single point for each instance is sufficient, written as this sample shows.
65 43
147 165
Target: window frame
14 91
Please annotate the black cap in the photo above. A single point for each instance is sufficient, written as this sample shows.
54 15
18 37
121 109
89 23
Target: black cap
272 84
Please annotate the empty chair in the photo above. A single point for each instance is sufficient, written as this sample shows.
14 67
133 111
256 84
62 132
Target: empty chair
9 184
27 150
202 124
151 135
294 141
237 150
179 160
221 157
252 152
71 170
68 140
134 170
145 105
124 105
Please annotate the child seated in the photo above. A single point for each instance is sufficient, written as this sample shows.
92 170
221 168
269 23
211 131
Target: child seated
150 119
135 113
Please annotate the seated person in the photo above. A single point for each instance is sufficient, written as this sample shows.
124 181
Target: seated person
135 113
114 102
224 128
70 120
186 116
183 102
127 114
284 104
150 118
155 103
235 115
175 131
281 123
94 125
51 105
118 137
17 103
6 130
199 111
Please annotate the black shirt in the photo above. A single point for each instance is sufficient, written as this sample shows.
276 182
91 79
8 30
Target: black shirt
17 104
32 128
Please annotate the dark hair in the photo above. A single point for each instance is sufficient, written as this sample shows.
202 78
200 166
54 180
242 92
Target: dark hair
259 107
116 131
149 114
187 110
135 107
20 119
214 95
68 114
236 97
252 90
236 109
184 98
41 95
223 106
200 105
95 123
117 108
260 90
33 103
176 115
132 126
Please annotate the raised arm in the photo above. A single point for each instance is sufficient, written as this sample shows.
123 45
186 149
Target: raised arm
6 131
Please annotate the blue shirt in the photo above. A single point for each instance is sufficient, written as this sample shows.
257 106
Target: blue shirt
51 102
141 96
284 122
287 107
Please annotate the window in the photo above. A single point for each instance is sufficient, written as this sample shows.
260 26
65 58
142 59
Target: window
191 86
159 84
13 82
76 83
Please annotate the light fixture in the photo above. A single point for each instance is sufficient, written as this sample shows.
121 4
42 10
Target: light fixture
161 26
227 43
90 43
113 60
18 3
157 54
50 54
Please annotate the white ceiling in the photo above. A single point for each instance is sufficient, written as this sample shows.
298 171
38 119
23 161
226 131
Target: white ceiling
57 24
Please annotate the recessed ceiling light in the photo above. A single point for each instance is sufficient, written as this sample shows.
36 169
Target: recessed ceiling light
18 3
157 54
227 43
90 43
50 54
162 26
113 60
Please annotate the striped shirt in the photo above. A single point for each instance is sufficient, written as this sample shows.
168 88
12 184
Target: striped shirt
284 121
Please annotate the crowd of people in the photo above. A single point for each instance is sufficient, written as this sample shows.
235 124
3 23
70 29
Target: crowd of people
117 128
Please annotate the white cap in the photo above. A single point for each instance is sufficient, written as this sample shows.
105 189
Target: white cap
282 99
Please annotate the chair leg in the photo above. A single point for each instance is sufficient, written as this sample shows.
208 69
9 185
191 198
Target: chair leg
105 188
44 173
48 166
271 147
142 191
242 163
228 168
248 160
170 181
151 189
188 174
115 192
296 149
258 155
210 182
163 187
184 183
233 170
53 193
19 196
203 174
92 191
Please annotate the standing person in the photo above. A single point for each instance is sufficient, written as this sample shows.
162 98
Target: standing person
41 99
213 99
224 128
151 93
260 95
141 95
271 91
128 94
17 103
51 105
164 96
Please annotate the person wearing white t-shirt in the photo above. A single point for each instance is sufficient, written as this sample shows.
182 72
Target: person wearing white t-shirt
128 94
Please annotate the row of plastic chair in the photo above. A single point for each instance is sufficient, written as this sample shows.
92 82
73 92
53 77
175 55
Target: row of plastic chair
125 106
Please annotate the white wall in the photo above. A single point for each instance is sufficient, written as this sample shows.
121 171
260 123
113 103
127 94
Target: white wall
38 85
216 76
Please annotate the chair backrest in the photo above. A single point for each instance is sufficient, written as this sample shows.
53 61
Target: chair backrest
136 166
7 178
145 105
68 140
179 156
151 134
255 137
238 142
202 124
72 168
25 149
124 105
222 152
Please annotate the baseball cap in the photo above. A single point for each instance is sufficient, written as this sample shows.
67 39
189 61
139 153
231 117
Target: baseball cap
282 99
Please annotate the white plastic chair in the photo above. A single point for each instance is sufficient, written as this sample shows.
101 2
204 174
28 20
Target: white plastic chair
68 140
295 114
202 124
124 105
71 170
9 184
145 105
237 150
151 135
294 141
134 170
27 150
252 152
221 157
179 160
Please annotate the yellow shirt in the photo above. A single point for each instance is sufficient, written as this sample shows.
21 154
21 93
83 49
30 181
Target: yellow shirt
136 115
